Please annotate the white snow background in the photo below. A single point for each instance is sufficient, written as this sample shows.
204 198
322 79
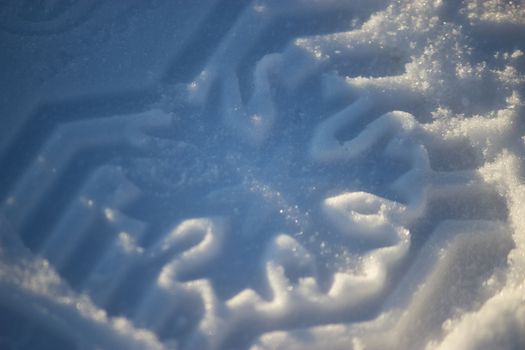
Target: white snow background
266 174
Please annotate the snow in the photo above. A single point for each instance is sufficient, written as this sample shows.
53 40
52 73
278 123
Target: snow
295 174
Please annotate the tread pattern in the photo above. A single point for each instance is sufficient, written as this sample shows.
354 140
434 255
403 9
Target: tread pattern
317 163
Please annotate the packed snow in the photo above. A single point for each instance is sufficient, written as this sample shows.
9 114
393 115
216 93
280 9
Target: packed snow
265 174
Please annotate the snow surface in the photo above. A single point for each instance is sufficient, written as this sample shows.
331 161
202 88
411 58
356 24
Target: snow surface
266 174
